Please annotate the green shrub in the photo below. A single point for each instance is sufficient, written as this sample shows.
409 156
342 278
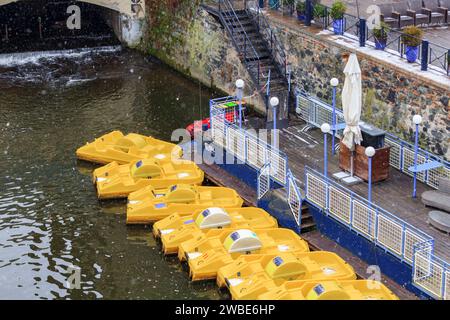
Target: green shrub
412 36
301 7
319 11
381 32
337 10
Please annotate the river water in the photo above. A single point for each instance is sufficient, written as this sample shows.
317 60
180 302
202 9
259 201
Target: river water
51 223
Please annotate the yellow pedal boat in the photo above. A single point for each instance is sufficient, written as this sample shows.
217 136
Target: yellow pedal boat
149 205
118 181
330 290
218 248
115 146
176 229
250 276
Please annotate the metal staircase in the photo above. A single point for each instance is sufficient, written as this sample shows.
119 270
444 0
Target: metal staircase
260 52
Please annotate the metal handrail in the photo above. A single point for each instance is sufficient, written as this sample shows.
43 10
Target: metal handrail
262 22
229 12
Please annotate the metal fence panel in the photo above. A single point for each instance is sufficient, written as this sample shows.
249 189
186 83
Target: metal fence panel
390 234
408 161
316 190
294 199
433 176
428 273
363 219
278 165
395 157
263 181
339 204
236 142
256 152
410 240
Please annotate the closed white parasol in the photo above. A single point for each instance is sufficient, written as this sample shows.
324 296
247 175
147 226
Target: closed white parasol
351 102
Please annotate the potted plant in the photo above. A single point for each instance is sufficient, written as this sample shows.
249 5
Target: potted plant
301 10
288 7
274 4
380 33
319 13
412 38
337 12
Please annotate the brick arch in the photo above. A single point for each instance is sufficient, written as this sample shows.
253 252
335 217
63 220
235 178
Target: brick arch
129 7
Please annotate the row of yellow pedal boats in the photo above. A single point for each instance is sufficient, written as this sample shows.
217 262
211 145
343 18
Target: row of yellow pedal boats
206 227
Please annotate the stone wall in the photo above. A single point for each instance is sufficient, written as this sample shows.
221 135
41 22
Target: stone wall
192 41
393 91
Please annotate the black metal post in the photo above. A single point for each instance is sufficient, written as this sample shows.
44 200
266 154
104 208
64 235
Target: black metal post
362 32
309 11
448 61
424 58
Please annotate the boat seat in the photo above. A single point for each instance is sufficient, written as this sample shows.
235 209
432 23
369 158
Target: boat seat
436 199
440 220
168 168
206 195
440 198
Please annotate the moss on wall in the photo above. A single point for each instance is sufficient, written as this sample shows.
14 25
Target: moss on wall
167 22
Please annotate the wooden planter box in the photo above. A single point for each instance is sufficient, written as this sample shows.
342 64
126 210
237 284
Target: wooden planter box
380 162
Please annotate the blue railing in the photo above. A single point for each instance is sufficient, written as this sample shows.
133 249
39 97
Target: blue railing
264 28
317 112
429 53
363 217
240 37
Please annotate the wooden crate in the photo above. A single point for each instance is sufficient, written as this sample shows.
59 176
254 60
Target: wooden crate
380 162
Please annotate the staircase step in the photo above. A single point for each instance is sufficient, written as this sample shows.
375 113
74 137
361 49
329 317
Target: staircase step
308 227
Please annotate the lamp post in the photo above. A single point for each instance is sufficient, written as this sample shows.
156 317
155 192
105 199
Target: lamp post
370 152
239 95
334 83
417 119
274 103
325 129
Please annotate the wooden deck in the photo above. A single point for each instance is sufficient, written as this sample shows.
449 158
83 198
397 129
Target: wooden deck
394 194
316 241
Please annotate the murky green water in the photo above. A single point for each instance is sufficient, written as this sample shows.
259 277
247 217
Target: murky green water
50 218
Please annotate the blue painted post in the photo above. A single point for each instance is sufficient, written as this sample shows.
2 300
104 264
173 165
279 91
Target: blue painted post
274 108
334 83
417 119
240 113
370 152
370 181
261 3
239 94
308 13
448 61
274 103
362 32
325 130
424 58
325 156
416 151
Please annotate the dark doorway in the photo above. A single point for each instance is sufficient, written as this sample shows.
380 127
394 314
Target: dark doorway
40 25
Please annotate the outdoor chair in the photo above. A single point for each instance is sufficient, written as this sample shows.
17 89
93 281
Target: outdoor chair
440 198
437 14
421 16
405 16
445 9
386 15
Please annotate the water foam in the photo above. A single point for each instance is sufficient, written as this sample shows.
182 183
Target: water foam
22 58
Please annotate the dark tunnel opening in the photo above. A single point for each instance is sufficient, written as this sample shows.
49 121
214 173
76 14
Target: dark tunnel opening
41 25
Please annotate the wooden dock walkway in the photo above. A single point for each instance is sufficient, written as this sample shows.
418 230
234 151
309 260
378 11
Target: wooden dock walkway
394 195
